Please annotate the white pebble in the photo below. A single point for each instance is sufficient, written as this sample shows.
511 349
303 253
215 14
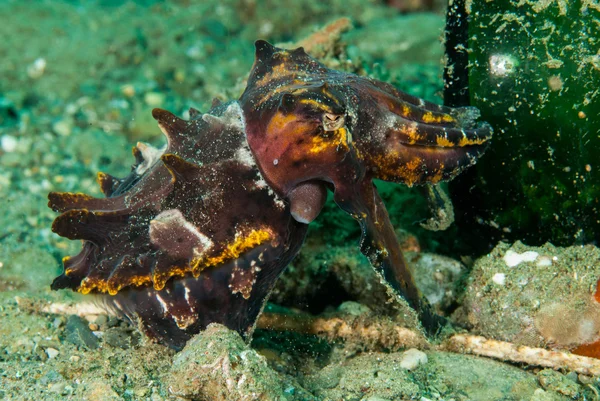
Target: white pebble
154 99
37 68
9 143
62 127
544 261
512 258
412 358
499 278
52 352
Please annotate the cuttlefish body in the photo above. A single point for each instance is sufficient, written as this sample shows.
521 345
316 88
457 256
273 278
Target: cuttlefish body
201 229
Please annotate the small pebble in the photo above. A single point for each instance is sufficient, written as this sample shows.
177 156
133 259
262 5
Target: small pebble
499 278
58 388
128 90
63 127
52 353
57 323
101 320
555 381
512 258
74 358
8 143
37 68
78 333
154 99
93 326
412 358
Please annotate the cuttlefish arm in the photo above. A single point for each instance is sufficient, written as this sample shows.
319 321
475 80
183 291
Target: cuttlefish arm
381 247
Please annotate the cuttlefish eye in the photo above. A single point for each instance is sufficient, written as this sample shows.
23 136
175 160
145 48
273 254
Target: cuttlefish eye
331 122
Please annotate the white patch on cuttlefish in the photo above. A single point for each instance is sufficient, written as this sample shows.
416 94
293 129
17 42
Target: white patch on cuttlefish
170 222
162 303
245 157
150 154
232 117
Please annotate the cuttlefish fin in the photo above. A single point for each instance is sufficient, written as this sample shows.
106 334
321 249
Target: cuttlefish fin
380 245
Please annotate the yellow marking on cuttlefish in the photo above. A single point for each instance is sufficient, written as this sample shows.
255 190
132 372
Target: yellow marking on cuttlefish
468 142
240 244
278 71
87 285
232 251
159 279
388 168
279 122
444 142
409 171
101 177
280 89
412 133
329 95
429 118
338 138
112 288
74 196
439 174
317 104
406 110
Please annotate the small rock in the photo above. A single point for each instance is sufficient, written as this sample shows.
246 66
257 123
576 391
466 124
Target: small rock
499 278
117 337
57 322
79 334
438 277
36 69
58 388
63 127
555 381
541 395
128 90
101 320
532 305
154 99
218 365
8 143
412 358
512 258
353 308
101 391
52 353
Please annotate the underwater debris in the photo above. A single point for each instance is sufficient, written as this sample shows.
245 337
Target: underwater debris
505 351
540 90
366 331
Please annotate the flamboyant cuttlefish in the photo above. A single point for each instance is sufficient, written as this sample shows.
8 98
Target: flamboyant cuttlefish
201 229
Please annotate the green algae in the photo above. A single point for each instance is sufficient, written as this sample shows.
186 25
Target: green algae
534 74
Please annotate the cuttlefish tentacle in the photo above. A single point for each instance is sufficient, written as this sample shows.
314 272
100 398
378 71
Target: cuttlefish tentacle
417 133
380 245
414 152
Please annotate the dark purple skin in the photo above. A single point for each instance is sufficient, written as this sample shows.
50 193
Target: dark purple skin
200 231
